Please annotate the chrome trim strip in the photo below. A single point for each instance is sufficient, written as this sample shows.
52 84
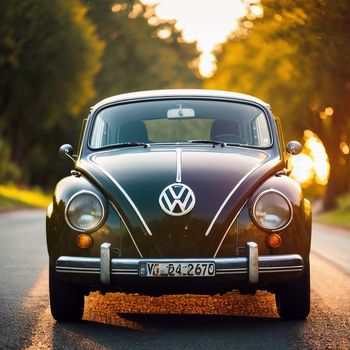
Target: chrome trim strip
233 269
281 268
224 266
218 272
116 183
79 271
125 272
231 273
127 228
288 203
229 228
92 228
96 269
234 190
253 262
178 165
105 273
287 270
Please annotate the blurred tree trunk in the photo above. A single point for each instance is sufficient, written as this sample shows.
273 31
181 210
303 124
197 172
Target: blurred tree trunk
332 136
17 141
338 182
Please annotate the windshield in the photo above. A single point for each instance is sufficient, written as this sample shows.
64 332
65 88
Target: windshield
181 120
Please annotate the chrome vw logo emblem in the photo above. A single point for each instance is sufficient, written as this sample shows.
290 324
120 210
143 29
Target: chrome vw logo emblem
177 199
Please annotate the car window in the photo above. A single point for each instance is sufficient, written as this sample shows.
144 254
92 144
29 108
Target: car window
167 130
181 120
260 131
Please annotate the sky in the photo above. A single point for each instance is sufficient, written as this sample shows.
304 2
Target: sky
209 22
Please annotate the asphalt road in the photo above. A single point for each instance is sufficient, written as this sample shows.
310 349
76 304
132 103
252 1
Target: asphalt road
172 322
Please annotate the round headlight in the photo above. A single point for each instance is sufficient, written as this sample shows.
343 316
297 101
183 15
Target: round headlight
85 211
272 210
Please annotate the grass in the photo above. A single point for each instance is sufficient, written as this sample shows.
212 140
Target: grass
340 215
336 217
12 197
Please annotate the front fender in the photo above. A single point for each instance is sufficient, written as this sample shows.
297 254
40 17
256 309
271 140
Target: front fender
62 239
296 236
56 225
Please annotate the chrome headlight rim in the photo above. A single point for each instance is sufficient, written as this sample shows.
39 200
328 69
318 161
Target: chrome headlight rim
94 227
258 223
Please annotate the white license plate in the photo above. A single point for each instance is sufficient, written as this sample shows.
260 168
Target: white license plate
171 269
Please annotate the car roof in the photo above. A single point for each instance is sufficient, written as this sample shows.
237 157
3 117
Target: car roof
178 93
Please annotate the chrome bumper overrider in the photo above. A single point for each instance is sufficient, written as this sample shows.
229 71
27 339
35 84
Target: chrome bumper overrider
251 266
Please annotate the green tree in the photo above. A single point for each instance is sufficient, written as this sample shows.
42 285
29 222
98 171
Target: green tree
297 57
59 57
9 172
49 55
136 58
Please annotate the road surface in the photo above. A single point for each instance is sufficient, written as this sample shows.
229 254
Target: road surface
118 321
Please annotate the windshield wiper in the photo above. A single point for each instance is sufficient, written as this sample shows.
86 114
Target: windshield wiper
210 142
131 144
126 144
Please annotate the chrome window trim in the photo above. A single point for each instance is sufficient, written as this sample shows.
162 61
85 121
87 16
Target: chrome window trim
90 229
116 183
248 100
234 190
288 203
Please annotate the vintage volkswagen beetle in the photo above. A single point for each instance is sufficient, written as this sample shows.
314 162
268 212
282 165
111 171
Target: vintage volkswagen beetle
179 191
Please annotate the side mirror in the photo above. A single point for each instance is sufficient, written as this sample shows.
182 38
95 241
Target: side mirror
294 147
66 151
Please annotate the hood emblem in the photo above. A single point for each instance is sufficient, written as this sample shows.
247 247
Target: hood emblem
177 199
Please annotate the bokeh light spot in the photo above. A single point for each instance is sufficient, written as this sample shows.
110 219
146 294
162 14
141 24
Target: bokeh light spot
119 7
164 33
344 147
329 111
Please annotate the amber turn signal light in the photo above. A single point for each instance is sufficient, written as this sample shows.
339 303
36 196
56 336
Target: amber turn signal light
84 241
274 240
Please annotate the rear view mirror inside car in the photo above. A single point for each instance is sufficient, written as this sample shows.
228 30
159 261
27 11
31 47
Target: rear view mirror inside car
179 113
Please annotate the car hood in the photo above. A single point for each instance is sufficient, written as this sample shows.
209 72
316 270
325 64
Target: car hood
221 180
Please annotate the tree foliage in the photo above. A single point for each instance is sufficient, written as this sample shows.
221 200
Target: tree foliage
9 172
297 57
135 57
49 55
59 57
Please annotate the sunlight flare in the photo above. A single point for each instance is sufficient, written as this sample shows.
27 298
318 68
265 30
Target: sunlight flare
312 165
207 22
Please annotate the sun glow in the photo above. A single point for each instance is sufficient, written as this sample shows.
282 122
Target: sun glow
312 164
208 22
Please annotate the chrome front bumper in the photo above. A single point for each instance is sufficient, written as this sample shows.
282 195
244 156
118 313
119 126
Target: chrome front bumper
250 267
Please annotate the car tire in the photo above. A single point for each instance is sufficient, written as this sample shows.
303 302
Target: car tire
66 299
293 298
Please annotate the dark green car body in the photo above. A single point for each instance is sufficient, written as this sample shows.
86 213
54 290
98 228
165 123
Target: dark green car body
226 181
